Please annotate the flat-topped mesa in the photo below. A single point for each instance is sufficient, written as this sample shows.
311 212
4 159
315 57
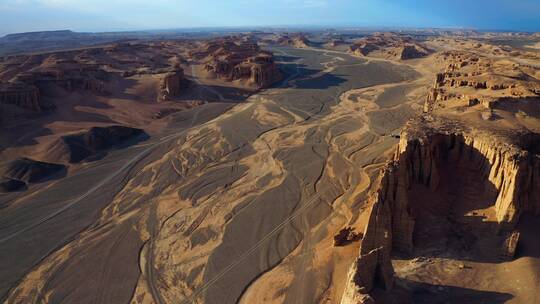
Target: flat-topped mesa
242 61
446 178
171 84
21 95
389 46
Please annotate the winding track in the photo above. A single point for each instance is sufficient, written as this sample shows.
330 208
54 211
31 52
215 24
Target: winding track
141 155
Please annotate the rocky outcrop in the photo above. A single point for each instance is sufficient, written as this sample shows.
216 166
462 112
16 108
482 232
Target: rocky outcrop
245 62
346 236
332 43
470 79
31 171
373 267
369 270
22 171
296 40
508 166
389 46
82 146
508 250
67 74
22 95
171 84
11 185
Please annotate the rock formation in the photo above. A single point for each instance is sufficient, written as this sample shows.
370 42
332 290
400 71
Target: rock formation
389 46
22 171
346 236
171 84
335 43
233 61
399 215
11 185
22 95
67 74
508 250
470 79
31 171
81 146
373 267
296 40
454 181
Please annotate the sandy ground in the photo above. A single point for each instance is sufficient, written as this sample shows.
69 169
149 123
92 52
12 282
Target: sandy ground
212 207
226 202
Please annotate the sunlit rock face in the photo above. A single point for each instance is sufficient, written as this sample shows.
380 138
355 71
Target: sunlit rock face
445 178
171 84
231 60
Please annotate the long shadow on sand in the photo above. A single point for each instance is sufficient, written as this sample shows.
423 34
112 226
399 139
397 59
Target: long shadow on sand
407 291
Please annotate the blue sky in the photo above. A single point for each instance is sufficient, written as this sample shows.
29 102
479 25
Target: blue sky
110 15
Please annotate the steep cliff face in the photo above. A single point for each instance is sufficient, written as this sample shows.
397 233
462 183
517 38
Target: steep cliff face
443 181
171 84
21 95
82 146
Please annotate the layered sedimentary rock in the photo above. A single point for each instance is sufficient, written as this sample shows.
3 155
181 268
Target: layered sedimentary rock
470 79
239 61
390 46
22 95
11 185
31 171
171 84
22 171
81 146
346 236
335 43
458 177
371 269
67 74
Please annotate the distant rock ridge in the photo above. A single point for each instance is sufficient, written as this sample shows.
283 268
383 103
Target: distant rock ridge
454 174
20 172
231 60
78 147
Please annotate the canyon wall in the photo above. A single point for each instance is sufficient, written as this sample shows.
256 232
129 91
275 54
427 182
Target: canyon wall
21 95
231 60
512 169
